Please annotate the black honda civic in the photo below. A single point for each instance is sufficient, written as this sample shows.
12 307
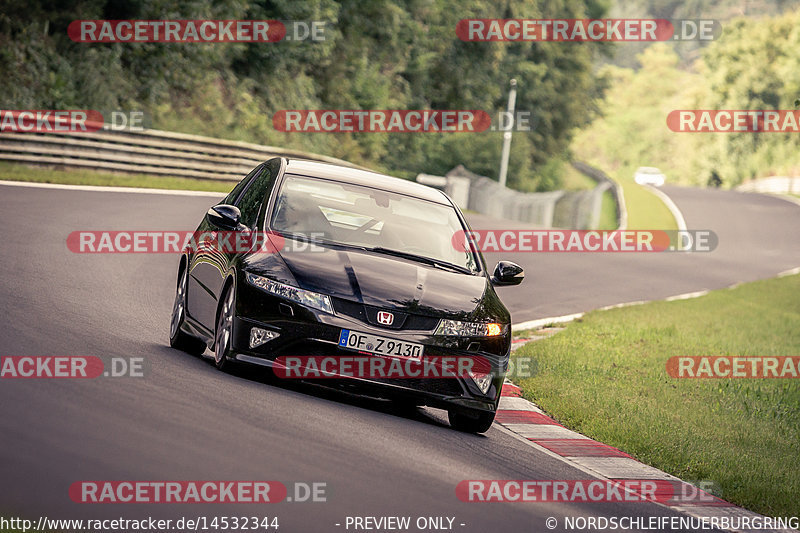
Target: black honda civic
324 272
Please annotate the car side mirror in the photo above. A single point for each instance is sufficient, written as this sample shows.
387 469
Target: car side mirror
507 273
224 216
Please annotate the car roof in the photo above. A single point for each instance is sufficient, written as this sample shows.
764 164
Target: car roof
365 178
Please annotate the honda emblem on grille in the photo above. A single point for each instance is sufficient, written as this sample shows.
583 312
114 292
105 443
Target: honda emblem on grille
385 318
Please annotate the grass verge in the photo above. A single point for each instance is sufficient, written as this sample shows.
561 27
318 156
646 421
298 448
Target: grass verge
16 172
605 377
573 180
608 212
645 209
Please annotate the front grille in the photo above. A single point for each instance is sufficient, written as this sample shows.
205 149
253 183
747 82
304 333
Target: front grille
422 323
308 348
443 386
351 309
402 321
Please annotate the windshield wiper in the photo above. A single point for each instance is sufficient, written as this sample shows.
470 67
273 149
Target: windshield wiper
386 251
421 259
321 242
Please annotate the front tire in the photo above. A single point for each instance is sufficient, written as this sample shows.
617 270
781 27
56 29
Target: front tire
222 344
179 339
476 422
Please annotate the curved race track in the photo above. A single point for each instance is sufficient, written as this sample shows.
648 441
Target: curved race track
187 421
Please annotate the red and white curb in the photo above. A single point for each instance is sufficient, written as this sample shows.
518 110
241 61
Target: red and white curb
529 423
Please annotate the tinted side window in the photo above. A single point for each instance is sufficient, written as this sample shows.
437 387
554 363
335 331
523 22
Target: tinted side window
251 201
234 194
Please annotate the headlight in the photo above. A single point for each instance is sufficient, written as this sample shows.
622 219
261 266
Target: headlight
301 296
468 329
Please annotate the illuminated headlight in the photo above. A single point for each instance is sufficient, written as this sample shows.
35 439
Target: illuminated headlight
259 336
301 296
483 381
468 329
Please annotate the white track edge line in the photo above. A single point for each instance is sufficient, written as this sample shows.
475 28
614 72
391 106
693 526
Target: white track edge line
539 322
676 212
107 188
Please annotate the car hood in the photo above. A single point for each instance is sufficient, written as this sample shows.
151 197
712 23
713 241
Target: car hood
383 281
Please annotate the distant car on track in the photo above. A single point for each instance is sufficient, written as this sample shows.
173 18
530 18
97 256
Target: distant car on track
649 176
381 279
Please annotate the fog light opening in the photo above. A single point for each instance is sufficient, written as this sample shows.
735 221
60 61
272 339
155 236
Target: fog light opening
259 336
483 381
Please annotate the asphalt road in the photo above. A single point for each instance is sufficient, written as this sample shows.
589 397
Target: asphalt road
187 421
758 238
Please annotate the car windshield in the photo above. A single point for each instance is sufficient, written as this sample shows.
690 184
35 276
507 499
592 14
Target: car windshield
352 215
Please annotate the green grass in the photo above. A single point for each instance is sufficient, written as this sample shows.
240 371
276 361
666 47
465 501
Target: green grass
605 377
645 209
572 180
16 172
608 212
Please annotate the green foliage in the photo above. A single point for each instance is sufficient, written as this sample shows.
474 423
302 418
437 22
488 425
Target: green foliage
633 131
382 54
753 66
721 11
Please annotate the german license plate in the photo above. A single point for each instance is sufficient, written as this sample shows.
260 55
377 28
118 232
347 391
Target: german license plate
364 342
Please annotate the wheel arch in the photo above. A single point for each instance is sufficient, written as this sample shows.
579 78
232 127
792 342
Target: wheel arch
228 284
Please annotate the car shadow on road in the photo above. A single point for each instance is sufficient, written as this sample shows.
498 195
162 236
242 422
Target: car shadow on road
322 391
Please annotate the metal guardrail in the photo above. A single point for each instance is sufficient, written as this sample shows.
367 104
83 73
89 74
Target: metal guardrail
602 178
170 154
773 184
563 209
155 152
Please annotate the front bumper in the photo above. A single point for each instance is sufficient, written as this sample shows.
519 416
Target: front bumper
307 332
